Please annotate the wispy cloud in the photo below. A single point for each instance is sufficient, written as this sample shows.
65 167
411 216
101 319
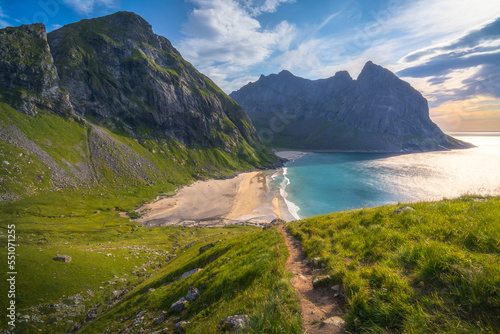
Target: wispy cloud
476 53
224 39
258 7
55 27
402 26
3 17
86 7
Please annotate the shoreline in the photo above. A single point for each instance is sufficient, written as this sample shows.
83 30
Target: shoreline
291 155
244 198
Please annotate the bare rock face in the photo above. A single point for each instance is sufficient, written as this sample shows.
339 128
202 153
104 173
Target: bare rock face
376 112
28 77
123 76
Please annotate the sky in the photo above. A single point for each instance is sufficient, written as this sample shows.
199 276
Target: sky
449 50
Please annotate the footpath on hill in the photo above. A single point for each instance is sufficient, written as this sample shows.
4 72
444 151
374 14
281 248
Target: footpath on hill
320 306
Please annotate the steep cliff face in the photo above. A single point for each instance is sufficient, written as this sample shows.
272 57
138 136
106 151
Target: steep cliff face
143 118
28 77
123 76
376 112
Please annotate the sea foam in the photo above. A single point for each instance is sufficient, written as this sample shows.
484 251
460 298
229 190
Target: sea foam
292 207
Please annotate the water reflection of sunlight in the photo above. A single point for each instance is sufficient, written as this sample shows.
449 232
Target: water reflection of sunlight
435 175
322 183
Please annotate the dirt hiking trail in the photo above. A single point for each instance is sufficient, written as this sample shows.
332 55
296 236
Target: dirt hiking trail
320 309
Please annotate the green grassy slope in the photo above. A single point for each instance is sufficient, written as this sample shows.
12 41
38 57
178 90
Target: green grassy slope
86 156
63 182
110 254
240 275
434 269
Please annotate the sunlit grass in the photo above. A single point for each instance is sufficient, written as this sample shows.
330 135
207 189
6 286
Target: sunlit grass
434 269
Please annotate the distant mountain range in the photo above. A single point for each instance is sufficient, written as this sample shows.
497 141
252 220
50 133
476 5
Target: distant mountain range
376 112
107 102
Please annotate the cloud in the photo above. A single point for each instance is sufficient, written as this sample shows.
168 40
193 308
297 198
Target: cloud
224 40
475 114
3 23
55 27
478 49
87 6
429 42
268 6
490 32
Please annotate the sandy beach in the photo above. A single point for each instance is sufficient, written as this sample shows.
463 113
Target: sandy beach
244 198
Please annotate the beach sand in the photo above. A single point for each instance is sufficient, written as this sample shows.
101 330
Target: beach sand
244 198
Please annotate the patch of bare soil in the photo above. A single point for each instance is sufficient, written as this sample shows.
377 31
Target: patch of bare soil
321 307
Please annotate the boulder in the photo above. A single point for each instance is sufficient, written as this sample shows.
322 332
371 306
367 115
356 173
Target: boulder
181 326
178 306
403 209
189 273
193 294
333 325
158 321
116 293
62 258
234 323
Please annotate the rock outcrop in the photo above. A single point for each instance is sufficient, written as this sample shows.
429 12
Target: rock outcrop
28 77
376 112
234 323
123 76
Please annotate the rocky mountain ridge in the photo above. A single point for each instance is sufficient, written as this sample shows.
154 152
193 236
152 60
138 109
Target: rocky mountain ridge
107 103
123 76
375 112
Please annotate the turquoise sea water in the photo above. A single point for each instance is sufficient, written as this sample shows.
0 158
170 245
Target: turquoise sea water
320 183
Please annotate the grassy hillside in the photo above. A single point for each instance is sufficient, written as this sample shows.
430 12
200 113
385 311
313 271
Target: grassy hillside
47 152
433 269
243 273
63 182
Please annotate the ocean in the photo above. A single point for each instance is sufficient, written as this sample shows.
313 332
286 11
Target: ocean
320 183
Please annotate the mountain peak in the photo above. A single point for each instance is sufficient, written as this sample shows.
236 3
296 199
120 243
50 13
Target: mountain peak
370 66
125 24
343 75
285 73
376 112
372 72
29 83
123 76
